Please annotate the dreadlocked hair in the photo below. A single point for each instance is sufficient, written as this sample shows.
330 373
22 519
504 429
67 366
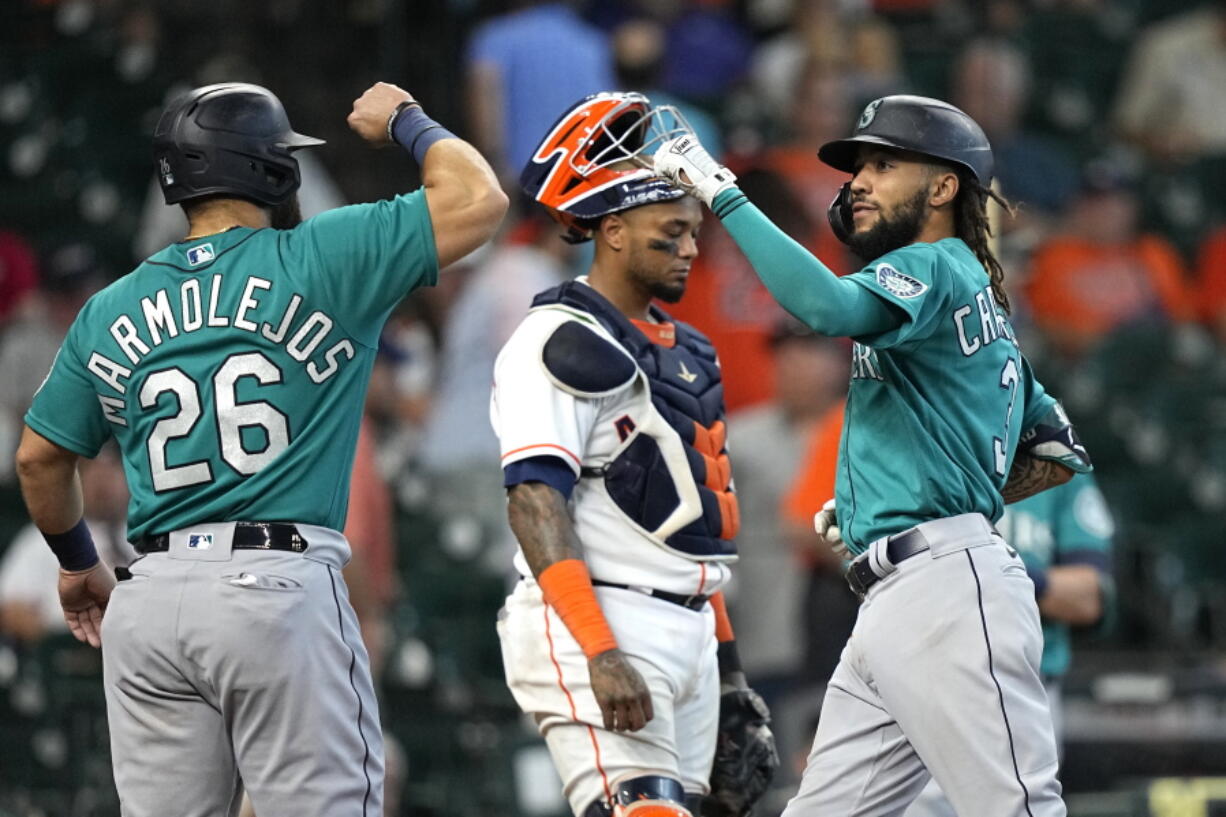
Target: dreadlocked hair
972 226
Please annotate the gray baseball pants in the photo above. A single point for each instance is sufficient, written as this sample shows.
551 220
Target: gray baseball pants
230 669
939 679
932 802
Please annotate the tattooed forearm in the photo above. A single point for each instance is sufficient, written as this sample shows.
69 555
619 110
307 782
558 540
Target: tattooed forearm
1029 476
541 523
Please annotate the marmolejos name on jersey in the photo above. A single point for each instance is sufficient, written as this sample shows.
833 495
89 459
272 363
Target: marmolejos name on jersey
165 315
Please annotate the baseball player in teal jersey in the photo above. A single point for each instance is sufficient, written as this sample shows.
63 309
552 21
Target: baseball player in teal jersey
1064 537
232 368
945 423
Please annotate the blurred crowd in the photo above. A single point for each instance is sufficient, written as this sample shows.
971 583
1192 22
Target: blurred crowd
1108 121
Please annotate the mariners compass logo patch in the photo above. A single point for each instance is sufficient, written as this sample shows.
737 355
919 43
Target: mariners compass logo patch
870 113
897 283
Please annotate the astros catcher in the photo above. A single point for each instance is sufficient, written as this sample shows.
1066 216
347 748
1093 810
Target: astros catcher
610 417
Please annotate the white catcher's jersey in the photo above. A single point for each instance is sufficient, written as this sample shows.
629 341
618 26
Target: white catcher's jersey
534 417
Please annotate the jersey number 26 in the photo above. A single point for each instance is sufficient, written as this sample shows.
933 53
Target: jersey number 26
231 418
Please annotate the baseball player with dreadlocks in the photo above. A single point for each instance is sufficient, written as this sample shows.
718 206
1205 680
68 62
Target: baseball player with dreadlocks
945 423
610 416
231 368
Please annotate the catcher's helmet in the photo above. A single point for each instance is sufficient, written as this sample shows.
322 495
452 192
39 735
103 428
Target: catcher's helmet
915 123
230 139
596 160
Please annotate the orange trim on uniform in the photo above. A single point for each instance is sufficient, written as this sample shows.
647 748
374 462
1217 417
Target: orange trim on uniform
565 451
710 441
604 778
661 334
574 713
567 588
719 472
729 514
723 624
702 577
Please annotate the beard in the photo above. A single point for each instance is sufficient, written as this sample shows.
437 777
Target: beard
287 215
667 292
898 229
646 275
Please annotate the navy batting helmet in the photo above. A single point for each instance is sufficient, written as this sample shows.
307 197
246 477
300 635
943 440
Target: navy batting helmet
914 123
232 139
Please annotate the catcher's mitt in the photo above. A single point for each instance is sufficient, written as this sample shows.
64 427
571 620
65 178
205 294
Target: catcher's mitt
745 755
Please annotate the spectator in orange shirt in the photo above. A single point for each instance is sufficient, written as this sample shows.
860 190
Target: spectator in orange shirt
1102 273
725 299
829 608
820 112
1211 282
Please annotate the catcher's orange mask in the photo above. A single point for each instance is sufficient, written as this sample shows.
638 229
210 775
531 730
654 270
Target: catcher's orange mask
596 160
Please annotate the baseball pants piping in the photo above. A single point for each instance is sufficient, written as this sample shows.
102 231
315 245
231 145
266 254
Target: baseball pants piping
940 677
673 648
246 664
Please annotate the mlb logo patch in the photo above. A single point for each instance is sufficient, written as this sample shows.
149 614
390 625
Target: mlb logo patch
199 541
897 283
201 254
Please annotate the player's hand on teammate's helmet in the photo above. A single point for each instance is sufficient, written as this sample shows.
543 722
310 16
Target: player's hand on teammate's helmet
372 110
827 527
686 163
83 597
620 691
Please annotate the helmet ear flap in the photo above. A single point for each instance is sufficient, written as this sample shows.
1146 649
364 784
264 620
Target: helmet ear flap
839 213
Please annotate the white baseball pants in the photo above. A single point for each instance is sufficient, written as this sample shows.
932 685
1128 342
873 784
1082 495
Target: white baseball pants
673 648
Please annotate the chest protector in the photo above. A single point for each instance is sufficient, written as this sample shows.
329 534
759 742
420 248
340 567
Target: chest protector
681 494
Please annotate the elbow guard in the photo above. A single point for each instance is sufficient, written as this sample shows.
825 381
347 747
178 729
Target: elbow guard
1054 438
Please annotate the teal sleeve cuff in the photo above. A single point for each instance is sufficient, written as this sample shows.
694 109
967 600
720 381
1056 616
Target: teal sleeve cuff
802 284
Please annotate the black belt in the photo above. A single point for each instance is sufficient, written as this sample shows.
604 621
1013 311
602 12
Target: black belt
688 602
900 546
247 536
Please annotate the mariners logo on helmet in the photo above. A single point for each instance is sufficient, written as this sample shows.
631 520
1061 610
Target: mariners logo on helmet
870 111
898 283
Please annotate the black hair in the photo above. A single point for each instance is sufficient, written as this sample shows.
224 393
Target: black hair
972 226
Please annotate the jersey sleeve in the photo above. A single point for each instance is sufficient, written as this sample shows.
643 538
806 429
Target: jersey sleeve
913 284
1038 403
1046 432
1084 529
531 416
66 409
368 257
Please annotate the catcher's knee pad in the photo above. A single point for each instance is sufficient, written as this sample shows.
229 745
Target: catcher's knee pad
646 796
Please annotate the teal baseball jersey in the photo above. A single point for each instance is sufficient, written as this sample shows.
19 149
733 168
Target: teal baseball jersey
1066 525
936 405
232 369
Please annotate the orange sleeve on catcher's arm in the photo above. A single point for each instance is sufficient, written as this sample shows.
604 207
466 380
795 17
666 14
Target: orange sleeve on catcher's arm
723 624
567 588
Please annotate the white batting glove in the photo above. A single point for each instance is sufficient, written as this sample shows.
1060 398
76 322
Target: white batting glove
686 163
826 527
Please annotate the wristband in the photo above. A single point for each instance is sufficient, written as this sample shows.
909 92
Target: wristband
728 202
74 547
391 120
1039 576
567 588
416 132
